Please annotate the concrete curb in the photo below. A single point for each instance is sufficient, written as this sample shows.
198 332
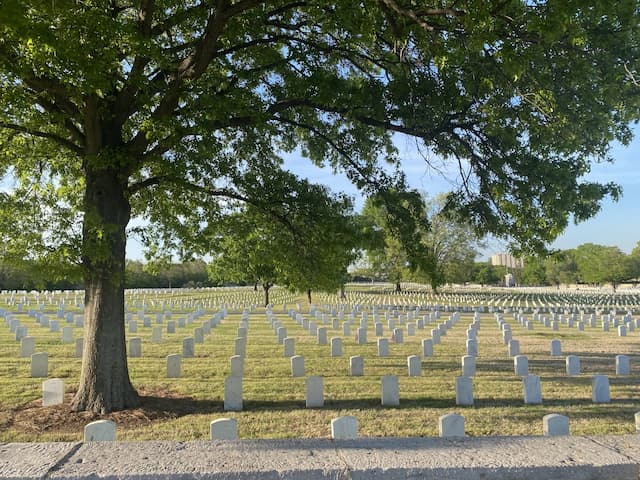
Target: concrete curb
513 458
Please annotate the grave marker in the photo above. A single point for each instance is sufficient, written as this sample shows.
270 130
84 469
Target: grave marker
297 366
314 392
464 391
344 428
174 365
336 347
27 346
414 366
554 425
39 365
100 431
451 425
224 429
233 394
356 366
390 391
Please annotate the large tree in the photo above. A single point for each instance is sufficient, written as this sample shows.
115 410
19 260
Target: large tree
169 109
300 255
453 242
395 247
602 264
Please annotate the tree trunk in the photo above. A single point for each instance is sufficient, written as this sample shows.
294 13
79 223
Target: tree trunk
343 293
104 380
398 287
266 287
309 295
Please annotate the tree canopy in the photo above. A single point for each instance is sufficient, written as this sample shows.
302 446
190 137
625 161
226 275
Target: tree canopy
311 251
174 111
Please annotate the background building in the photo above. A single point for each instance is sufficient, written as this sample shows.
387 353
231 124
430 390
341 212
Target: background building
506 260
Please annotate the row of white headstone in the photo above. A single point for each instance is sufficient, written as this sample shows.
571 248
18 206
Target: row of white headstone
342 428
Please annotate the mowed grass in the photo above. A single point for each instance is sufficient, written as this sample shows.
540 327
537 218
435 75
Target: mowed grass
274 402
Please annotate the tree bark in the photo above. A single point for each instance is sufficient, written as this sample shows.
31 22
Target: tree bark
398 287
266 287
104 381
309 295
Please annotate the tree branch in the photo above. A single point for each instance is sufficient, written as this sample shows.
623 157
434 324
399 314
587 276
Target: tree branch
50 136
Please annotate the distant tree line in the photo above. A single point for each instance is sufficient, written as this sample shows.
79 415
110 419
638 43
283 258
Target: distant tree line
32 276
589 264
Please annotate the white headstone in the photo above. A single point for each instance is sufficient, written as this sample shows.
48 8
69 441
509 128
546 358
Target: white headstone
622 331
344 428
600 389
289 347
241 346
198 335
573 365
356 366
532 389
451 425
556 348
233 394
472 347
468 366
171 326
237 366
427 347
297 366
188 347
379 329
521 365
390 391
156 335
315 392
282 334
135 347
623 365
39 365
346 329
174 365
224 429
79 347
100 431
52 392
514 348
411 329
21 332
322 335
383 347
27 346
336 346
133 326
555 425
464 391
362 336
398 335
637 418
435 336
414 366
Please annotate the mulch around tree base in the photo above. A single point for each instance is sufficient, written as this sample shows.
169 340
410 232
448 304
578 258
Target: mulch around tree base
156 405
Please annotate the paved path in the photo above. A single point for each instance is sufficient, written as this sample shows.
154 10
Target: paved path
484 458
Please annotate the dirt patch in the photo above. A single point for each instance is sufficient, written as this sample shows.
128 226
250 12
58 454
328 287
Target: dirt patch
157 405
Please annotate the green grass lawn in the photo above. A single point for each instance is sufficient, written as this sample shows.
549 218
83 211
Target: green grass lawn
274 402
